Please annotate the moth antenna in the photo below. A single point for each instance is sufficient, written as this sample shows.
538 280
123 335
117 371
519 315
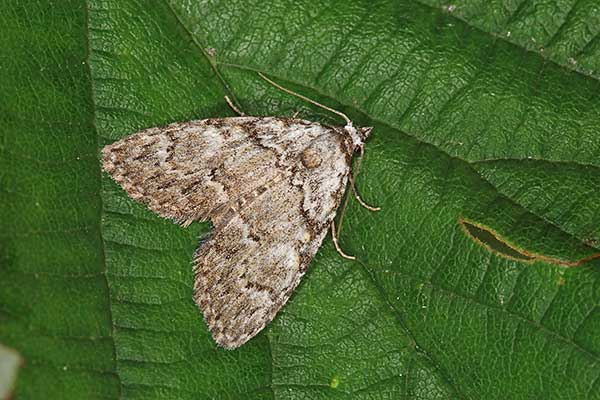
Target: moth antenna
348 121
233 107
337 245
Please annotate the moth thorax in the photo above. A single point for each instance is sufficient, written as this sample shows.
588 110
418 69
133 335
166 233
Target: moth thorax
358 136
311 158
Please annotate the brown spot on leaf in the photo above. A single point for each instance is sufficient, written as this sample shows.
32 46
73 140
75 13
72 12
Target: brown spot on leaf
491 240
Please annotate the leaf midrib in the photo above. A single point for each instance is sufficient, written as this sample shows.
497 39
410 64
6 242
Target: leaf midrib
92 93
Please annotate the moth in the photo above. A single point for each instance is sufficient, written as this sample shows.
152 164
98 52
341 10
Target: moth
271 187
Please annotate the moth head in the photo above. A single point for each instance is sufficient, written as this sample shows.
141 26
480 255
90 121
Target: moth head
365 132
358 136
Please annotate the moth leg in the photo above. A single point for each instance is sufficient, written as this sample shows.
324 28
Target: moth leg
360 200
233 107
353 183
342 213
355 193
337 245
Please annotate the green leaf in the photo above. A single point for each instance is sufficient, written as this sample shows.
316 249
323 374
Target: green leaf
54 299
478 279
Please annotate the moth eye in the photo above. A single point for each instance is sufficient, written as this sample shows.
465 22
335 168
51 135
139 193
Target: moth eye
311 158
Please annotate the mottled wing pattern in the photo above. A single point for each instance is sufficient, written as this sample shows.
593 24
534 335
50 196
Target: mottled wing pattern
259 252
271 186
187 171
